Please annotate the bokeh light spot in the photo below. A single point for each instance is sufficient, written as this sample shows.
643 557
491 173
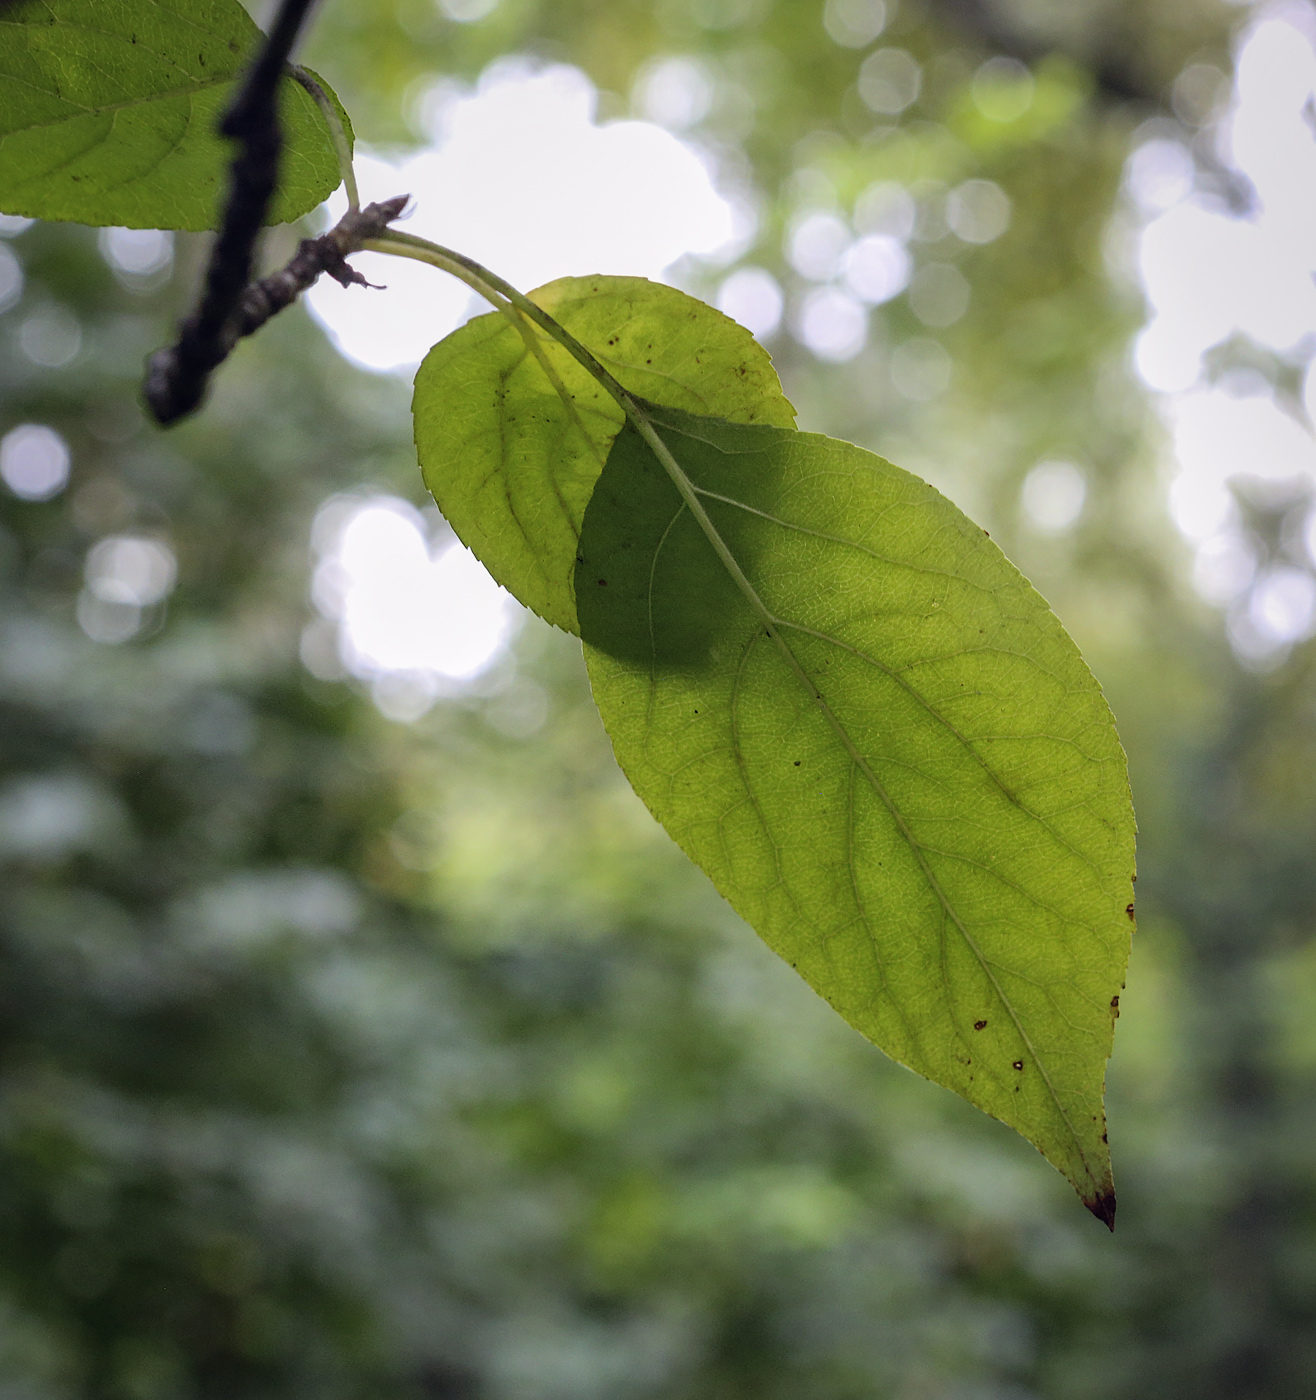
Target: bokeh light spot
752 297
886 207
978 211
921 369
674 92
141 258
467 11
132 570
816 246
889 81
11 278
939 294
854 24
1052 496
833 324
51 337
34 462
1002 89
876 268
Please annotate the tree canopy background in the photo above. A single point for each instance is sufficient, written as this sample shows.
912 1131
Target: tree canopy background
345 1055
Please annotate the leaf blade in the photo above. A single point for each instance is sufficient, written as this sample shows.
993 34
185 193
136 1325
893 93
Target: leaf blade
854 768
109 110
512 463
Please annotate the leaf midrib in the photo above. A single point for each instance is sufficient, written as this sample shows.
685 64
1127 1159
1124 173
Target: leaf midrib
194 85
108 107
690 495
892 675
935 714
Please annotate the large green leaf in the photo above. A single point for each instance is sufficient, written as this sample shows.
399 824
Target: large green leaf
855 714
512 461
109 109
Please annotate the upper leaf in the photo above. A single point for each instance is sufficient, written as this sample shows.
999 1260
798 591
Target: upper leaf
512 458
109 110
859 718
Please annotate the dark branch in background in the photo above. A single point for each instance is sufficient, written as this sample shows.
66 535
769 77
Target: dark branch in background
1114 77
1117 82
176 376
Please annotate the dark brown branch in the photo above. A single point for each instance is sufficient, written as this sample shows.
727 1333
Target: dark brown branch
165 377
177 377
1113 74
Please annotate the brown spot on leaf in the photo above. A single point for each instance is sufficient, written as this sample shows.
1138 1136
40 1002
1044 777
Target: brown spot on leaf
1128 909
1018 1064
603 583
979 1025
1103 1207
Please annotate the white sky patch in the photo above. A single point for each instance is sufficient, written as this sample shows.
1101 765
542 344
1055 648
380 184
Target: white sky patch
1218 436
1210 275
522 178
417 615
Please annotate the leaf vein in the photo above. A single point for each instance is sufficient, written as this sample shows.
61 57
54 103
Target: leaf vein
685 488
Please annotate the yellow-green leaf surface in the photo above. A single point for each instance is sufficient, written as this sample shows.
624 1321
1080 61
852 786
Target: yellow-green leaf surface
109 109
512 461
859 718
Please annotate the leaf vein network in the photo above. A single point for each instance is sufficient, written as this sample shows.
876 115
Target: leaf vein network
934 713
841 540
104 108
685 488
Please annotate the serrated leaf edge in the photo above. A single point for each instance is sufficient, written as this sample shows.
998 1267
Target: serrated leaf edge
1099 1195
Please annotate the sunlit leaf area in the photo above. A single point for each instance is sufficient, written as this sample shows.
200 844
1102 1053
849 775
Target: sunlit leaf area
362 1036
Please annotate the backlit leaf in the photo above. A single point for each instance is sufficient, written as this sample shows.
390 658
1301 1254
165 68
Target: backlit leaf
855 714
512 463
109 109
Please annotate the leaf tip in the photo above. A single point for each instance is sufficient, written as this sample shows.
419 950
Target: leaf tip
1103 1207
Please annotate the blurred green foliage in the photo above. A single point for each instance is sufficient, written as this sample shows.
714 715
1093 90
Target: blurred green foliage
341 1057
